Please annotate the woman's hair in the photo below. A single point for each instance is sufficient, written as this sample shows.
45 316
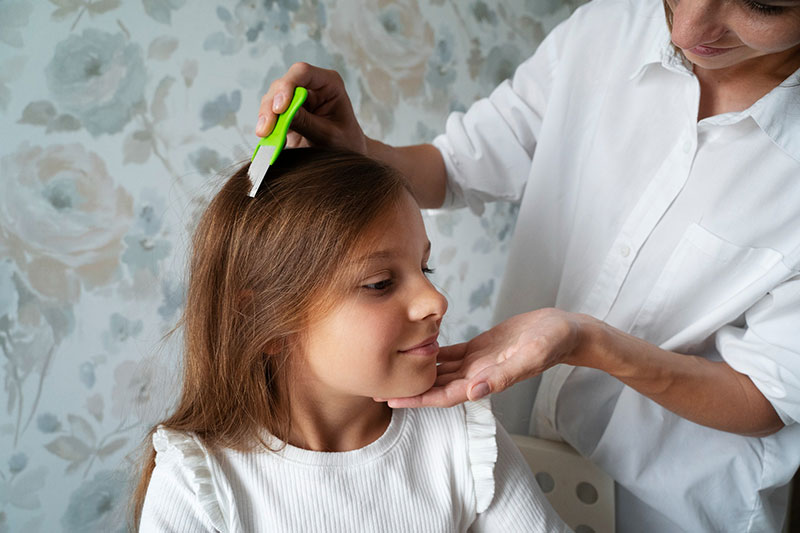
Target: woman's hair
668 14
260 269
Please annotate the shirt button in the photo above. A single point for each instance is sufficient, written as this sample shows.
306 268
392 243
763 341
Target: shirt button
624 251
687 147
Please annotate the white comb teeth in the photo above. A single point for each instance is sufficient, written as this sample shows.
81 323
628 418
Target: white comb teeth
258 168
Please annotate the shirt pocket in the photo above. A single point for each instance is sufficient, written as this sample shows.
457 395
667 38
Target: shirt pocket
706 283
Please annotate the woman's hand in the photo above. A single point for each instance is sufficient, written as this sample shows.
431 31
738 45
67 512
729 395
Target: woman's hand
519 348
704 391
326 118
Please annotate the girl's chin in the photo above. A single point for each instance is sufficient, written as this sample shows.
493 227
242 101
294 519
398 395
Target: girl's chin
413 387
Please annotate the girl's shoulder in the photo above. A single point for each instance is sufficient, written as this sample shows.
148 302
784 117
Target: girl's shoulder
184 458
470 430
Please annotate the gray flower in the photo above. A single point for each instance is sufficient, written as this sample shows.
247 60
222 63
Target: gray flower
250 22
500 64
441 66
208 162
174 297
86 373
99 78
48 423
161 10
120 329
97 505
482 296
144 252
17 463
13 19
221 111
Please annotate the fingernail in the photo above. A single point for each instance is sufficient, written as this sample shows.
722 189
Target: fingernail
277 103
261 121
479 391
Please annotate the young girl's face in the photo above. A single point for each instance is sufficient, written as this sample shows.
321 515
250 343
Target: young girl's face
380 339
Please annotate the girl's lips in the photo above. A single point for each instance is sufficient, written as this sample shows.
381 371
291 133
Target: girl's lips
429 346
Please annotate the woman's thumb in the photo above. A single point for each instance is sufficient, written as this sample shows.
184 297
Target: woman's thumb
496 378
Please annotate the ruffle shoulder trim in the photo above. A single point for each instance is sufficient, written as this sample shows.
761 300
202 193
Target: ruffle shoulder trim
187 450
482 443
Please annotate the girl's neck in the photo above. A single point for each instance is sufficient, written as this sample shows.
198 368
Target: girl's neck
336 424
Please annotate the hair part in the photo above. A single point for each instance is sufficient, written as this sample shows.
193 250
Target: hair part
260 269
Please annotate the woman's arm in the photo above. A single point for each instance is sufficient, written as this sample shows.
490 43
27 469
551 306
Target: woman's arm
710 393
706 392
423 166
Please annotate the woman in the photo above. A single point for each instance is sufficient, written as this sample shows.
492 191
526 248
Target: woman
654 278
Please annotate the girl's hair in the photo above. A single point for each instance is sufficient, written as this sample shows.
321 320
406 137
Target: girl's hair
260 269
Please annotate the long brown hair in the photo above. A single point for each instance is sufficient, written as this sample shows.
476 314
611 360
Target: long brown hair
260 267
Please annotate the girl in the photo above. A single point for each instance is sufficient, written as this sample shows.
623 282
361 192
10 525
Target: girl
304 304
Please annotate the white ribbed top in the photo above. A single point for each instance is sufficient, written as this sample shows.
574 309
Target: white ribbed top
431 470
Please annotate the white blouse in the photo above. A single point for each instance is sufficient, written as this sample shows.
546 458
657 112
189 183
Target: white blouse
432 470
682 232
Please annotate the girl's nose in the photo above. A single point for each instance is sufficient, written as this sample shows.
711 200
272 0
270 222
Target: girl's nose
427 303
697 22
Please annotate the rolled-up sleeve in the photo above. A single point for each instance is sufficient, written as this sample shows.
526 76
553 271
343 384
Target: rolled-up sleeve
489 149
767 348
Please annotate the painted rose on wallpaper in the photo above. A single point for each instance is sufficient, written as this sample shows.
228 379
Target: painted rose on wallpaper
389 42
98 77
62 218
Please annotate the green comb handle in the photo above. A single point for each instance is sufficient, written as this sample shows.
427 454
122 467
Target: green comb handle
278 136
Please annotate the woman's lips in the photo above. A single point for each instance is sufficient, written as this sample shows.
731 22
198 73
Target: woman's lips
429 346
708 51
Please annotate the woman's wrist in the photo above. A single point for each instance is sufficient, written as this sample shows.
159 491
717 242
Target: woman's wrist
606 348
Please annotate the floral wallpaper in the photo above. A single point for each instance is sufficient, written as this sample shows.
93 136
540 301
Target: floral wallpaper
117 119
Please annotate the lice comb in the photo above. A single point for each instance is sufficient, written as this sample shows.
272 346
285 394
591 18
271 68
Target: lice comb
269 147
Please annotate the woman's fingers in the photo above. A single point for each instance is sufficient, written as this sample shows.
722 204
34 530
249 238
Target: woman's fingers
326 117
281 91
501 375
451 394
454 352
444 379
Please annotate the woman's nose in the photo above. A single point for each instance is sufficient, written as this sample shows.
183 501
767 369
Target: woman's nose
697 22
427 302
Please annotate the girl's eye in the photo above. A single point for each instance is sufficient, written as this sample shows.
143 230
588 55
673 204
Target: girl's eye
762 8
427 271
381 285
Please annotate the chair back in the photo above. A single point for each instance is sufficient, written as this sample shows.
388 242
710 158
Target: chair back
581 493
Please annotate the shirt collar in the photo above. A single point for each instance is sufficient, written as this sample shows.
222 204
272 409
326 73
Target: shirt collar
777 113
658 50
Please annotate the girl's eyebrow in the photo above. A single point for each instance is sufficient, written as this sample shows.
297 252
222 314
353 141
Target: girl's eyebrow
388 254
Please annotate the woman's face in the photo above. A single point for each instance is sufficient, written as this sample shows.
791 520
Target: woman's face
716 34
380 339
